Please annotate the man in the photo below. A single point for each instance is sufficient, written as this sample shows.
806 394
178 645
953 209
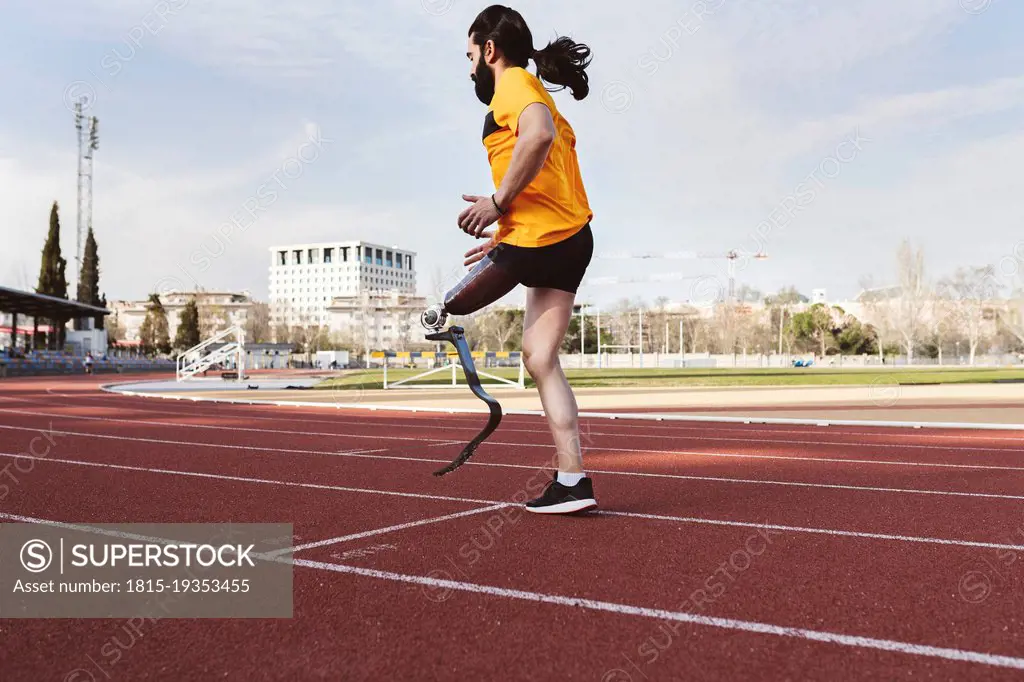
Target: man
543 240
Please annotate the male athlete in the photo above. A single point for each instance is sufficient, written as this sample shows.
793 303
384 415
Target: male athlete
543 239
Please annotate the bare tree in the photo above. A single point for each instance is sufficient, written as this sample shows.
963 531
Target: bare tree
967 295
257 324
501 325
877 304
623 324
908 315
780 306
213 318
1010 317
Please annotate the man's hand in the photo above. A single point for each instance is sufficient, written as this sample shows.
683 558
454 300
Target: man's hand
477 253
478 217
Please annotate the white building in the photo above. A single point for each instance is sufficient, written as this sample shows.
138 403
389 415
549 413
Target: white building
306 278
218 310
385 321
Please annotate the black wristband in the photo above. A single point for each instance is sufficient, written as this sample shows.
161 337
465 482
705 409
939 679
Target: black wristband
496 207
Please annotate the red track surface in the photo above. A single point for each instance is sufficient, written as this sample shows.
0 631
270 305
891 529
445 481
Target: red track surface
721 552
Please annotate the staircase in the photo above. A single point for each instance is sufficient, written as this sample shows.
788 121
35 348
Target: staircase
216 349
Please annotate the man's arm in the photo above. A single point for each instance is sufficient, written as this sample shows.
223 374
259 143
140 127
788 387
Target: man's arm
536 135
536 131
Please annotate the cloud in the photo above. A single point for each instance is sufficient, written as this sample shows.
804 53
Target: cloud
729 104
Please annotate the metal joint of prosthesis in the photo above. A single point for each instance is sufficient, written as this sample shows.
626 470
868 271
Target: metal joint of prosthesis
433 319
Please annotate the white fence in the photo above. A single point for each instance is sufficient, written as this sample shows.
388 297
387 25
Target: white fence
755 360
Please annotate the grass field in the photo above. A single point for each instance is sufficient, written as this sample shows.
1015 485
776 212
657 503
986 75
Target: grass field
369 379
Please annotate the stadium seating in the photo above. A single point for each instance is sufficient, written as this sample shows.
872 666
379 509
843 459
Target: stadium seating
61 362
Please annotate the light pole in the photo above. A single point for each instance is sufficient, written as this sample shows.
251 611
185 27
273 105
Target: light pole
583 335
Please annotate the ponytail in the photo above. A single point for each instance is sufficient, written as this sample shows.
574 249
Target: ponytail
564 63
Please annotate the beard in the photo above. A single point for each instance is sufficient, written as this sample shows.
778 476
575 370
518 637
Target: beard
483 82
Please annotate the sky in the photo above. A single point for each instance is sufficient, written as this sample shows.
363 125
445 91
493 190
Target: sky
822 133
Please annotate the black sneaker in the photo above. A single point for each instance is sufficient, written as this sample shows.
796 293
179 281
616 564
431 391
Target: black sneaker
562 499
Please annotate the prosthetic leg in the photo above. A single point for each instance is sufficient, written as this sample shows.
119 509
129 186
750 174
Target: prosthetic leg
484 285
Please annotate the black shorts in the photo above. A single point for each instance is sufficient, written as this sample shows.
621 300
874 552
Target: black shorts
556 266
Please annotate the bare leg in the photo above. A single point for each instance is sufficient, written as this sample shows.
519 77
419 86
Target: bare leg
548 312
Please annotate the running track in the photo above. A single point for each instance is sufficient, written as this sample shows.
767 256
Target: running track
721 552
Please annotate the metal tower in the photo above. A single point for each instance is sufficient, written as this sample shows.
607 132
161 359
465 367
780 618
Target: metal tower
88 142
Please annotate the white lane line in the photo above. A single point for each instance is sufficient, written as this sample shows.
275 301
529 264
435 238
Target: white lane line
635 515
371 454
439 442
245 479
819 531
800 484
389 529
855 641
636 416
163 441
755 627
118 401
110 532
760 440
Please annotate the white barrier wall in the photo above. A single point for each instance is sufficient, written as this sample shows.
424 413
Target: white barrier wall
708 360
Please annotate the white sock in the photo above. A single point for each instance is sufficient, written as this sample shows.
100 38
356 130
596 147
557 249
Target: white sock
569 480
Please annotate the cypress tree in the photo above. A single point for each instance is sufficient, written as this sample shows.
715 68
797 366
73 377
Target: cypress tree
89 278
187 335
100 318
147 341
156 316
52 278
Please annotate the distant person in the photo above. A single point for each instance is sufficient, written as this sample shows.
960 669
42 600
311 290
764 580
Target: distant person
88 363
543 238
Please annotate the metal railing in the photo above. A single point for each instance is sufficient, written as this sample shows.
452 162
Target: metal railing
196 360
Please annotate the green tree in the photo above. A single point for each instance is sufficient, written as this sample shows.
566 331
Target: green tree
89 278
855 338
571 344
52 270
52 278
147 339
187 335
815 324
153 333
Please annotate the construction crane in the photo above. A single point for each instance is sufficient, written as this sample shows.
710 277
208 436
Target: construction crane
730 257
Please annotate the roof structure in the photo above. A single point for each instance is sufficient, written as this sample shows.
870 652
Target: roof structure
50 307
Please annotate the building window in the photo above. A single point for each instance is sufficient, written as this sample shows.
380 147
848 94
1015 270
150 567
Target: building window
380 257
344 254
297 257
311 257
389 258
282 258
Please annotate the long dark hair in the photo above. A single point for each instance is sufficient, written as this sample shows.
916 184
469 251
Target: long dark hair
563 62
